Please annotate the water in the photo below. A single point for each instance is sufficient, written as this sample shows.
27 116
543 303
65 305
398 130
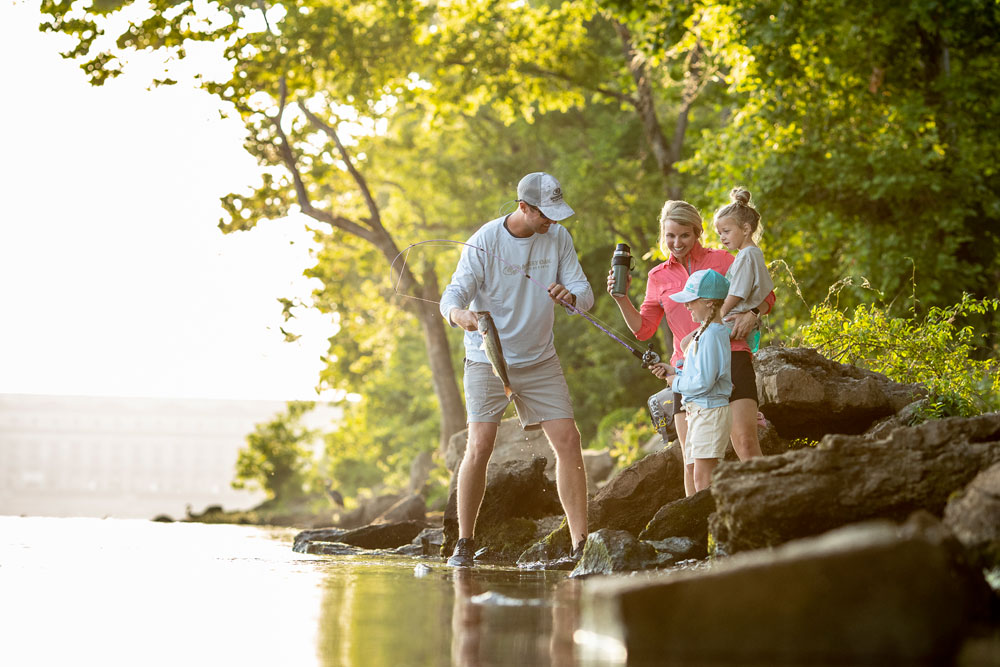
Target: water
128 592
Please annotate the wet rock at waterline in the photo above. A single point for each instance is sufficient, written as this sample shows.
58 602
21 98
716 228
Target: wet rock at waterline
845 479
374 536
807 395
871 593
686 517
607 551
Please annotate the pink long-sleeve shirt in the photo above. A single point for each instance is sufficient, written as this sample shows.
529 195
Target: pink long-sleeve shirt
668 278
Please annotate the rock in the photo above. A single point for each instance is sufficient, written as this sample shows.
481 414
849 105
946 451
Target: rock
673 549
305 537
631 498
426 543
627 502
513 444
845 479
974 516
809 396
608 551
410 508
368 510
420 470
517 492
598 464
866 594
686 517
374 536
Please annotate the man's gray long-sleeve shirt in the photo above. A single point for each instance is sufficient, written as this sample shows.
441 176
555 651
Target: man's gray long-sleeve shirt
522 311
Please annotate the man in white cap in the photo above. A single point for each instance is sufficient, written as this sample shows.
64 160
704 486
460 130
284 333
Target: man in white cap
532 240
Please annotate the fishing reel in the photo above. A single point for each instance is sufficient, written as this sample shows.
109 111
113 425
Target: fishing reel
650 357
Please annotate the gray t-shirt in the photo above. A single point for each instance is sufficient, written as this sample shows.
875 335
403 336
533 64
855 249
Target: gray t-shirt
749 279
522 311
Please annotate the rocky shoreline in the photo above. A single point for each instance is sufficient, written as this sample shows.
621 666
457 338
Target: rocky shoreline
872 545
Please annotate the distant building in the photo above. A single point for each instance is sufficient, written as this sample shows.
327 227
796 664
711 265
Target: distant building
127 457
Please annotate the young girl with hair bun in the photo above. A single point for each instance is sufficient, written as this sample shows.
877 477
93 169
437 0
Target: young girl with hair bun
749 281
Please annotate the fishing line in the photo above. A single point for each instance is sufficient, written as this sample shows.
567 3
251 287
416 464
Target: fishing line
647 357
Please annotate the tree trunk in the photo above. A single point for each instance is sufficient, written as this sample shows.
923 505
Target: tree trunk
442 372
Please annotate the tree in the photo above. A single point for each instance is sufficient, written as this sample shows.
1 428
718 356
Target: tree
275 459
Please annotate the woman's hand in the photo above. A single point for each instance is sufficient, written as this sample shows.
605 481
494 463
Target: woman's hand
743 324
611 283
662 370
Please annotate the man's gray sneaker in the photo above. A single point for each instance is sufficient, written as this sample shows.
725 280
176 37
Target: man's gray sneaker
465 553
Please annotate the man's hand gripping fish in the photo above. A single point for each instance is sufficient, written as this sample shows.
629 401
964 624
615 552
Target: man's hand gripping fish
494 351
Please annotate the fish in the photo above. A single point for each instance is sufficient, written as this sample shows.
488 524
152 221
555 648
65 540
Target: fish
494 351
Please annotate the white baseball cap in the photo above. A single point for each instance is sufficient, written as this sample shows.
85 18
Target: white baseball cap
542 191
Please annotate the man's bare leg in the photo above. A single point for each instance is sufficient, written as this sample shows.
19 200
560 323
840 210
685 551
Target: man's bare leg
571 477
472 475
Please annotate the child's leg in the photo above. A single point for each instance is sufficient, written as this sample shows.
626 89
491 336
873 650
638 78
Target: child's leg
680 423
703 469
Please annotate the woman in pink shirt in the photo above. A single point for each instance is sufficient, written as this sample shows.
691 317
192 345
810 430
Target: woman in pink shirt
680 240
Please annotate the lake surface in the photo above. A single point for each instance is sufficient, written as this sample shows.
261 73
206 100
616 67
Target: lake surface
131 592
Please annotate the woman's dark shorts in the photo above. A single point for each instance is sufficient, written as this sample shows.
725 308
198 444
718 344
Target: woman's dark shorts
744 380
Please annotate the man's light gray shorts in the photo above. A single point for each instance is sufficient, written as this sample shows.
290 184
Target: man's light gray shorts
540 393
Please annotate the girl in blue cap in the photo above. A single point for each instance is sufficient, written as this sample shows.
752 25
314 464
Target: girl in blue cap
705 382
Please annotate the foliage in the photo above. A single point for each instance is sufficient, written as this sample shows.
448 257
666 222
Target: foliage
934 350
866 132
623 432
276 459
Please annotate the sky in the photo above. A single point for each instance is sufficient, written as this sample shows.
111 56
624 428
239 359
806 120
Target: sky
114 278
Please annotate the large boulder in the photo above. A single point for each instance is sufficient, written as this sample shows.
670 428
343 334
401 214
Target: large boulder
974 516
845 479
517 493
513 443
866 594
630 499
807 395
686 517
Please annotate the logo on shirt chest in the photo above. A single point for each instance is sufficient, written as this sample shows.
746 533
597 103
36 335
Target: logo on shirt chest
529 267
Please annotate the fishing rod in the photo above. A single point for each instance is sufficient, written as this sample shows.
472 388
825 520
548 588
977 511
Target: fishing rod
648 357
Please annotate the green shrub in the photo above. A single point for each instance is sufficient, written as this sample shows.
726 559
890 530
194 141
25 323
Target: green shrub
622 432
934 350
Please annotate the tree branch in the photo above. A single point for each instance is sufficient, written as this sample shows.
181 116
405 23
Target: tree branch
301 193
375 217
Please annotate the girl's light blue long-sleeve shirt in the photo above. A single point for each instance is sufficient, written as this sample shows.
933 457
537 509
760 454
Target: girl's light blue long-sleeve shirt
706 378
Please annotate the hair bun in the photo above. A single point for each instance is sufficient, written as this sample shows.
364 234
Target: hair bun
740 196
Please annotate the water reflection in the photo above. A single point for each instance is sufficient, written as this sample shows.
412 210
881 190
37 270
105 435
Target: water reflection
204 594
393 612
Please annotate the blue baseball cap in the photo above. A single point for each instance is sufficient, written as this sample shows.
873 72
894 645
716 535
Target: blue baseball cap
704 284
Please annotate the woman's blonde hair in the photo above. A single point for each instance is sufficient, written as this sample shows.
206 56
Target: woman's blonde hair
682 213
